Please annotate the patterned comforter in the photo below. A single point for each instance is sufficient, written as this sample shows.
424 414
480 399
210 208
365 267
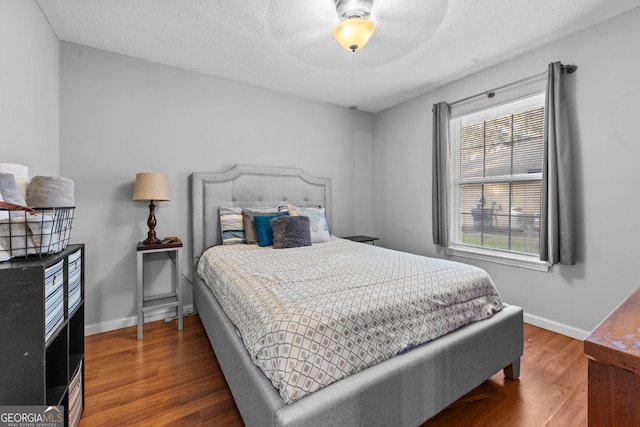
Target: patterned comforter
310 316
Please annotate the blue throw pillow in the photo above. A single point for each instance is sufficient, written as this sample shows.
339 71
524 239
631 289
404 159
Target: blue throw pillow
263 229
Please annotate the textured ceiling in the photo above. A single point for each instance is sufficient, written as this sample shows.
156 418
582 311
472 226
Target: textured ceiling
288 46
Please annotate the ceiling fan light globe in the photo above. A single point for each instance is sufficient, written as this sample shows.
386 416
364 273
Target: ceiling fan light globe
353 33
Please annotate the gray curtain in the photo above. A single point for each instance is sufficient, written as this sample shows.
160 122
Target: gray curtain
557 213
440 174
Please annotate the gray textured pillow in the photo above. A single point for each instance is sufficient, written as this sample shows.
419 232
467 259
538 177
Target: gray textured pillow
50 192
291 231
10 191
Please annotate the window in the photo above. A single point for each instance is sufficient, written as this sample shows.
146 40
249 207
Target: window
496 166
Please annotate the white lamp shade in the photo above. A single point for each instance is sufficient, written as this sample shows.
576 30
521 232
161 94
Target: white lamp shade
151 186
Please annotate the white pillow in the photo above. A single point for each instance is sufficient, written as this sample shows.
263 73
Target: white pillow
317 219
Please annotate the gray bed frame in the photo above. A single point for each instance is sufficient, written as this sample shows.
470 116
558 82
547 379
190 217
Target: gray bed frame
405 390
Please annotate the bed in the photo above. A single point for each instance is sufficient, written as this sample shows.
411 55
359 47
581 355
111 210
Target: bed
406 389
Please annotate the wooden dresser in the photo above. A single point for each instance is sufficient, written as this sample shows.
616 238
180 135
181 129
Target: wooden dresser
613 349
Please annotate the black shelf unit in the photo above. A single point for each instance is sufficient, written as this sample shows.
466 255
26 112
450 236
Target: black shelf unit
38 365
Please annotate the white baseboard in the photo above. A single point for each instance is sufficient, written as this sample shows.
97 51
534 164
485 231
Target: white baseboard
111 325
556 327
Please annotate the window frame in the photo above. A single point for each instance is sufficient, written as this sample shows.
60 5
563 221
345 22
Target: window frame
496 255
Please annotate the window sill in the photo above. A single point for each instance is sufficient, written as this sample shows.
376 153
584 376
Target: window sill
515 260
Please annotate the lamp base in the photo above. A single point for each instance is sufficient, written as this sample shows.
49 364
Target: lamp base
151 223
151 240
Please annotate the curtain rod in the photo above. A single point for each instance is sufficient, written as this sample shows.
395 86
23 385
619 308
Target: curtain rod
492 92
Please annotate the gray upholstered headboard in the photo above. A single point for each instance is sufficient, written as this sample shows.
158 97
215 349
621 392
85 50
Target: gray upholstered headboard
249 186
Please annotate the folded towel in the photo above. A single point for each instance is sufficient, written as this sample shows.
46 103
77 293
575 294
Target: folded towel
20 172
50 192
9 190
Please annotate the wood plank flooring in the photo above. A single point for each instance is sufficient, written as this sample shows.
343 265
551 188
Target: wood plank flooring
551 391
171 378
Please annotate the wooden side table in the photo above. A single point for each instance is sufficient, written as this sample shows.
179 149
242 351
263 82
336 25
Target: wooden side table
613 349
362 239
170 299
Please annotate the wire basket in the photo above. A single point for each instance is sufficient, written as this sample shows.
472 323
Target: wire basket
35 233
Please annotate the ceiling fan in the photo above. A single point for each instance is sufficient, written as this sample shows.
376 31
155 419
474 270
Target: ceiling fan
305 30
354 29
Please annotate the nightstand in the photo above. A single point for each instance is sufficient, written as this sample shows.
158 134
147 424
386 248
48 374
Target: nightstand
362 239
148 303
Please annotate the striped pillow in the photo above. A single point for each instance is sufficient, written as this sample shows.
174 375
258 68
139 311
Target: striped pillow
231 225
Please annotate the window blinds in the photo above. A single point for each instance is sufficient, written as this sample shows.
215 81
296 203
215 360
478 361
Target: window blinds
496 157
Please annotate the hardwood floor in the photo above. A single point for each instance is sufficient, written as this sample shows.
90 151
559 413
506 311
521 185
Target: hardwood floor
551 391
172 378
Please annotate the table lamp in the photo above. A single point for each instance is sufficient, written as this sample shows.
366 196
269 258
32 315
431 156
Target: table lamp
155 188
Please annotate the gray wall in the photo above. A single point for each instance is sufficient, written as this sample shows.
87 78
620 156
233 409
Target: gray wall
121 115
29 101
103 117
604 109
